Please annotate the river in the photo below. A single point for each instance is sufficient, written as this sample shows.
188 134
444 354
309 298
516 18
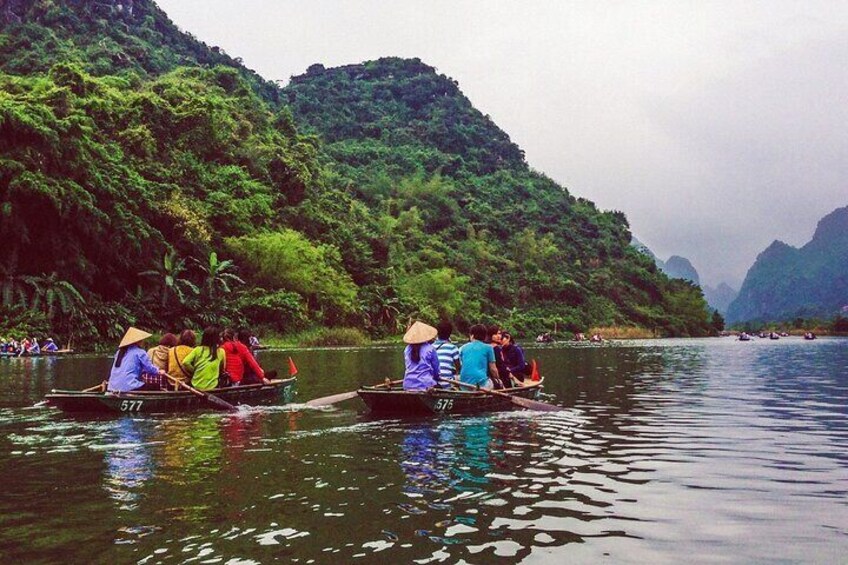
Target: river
709 450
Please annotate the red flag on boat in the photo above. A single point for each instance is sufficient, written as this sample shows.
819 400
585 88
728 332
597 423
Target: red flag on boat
292 368
534 371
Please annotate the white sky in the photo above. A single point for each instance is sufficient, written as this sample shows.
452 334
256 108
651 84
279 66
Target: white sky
716 127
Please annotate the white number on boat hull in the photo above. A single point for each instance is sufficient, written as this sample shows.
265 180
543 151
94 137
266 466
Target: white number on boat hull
131 405
443 405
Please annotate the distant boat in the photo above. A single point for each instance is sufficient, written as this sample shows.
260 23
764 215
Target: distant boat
744 337
773 335
809 335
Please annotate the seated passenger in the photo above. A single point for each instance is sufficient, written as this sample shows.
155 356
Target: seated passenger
420 358
447 352
207 360
514 358
478 359
50 346
239 358
502 380
159 354
176 370
132 367
251 377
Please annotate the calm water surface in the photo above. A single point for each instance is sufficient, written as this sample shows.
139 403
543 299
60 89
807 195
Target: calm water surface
669 451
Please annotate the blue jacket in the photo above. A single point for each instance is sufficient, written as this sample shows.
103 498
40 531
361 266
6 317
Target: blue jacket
127 377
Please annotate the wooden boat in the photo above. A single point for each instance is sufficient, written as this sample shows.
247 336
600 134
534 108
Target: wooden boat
155 402
60 352
392 399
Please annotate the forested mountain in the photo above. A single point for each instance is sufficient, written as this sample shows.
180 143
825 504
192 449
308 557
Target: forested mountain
678 267
720 297
148 178
786 283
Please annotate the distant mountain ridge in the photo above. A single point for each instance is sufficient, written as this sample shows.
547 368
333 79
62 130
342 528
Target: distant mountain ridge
678 267
786 282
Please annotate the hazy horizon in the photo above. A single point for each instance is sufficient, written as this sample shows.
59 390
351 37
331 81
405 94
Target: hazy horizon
715 127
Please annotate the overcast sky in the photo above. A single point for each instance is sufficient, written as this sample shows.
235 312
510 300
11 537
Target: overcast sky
716 127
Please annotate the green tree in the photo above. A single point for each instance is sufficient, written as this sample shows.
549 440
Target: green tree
171 281
287 260
217 276
53 295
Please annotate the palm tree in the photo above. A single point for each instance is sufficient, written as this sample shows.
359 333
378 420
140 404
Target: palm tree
12 288
169 275
51 293
217 276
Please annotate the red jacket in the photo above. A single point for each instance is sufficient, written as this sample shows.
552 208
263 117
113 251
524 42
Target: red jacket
238 355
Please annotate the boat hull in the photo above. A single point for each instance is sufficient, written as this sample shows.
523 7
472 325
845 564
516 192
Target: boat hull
159 402
381 400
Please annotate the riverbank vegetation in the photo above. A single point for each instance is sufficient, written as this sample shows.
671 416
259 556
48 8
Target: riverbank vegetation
149 179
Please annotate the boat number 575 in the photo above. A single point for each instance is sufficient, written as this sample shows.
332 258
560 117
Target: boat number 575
444 404
131 405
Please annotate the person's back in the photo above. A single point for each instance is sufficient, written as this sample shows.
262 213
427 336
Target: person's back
206 367
420 360
421 369
447 351
477 358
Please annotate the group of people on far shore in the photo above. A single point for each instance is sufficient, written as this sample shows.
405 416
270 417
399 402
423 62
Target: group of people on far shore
491 359
27 346
223 358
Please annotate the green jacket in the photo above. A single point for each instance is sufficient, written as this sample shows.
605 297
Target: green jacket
206 370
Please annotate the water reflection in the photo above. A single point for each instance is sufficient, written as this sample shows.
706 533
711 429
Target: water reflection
684 450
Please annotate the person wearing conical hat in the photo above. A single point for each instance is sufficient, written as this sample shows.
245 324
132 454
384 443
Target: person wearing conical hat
131 363
422 362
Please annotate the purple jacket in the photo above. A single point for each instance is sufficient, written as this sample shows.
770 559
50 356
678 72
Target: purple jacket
421 375
127 377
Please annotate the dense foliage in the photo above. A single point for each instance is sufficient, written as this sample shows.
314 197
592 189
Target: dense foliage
786 283
147 178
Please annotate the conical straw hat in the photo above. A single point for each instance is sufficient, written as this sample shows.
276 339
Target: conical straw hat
134 335
419 332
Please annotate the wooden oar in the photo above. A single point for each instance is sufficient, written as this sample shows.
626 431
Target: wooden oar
101 387
341 397
517 400
209 397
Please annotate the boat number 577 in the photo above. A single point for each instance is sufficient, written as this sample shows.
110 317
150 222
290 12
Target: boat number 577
444 404
131 405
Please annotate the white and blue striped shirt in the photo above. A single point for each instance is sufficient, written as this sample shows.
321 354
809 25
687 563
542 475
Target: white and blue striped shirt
448 354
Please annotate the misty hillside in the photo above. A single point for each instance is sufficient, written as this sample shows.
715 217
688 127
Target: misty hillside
786 282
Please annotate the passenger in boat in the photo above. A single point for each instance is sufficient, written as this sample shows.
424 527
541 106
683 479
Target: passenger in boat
34 348
478 359
132 368
502 381
159 354
447 351
50 346
177 371
239 359
251 377
514 358
207 361
420 357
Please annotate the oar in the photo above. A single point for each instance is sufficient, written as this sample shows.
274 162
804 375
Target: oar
209 397
517 400
101 387
341 397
